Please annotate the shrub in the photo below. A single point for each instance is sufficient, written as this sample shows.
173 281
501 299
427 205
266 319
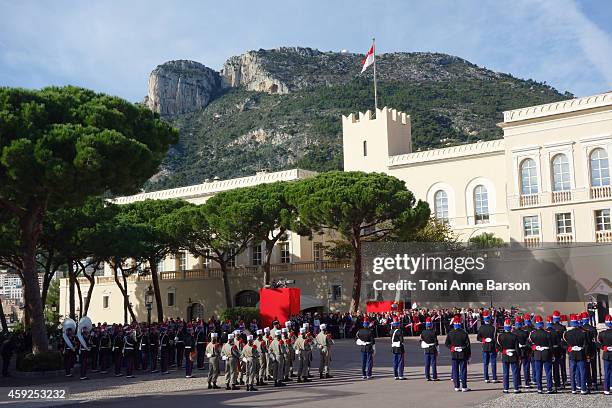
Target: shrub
48 361
245 313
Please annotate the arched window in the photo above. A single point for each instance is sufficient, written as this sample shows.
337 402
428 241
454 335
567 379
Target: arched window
600 168
561 173
529 177
441 205
481 205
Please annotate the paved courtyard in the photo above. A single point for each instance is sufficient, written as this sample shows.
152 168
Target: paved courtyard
346 389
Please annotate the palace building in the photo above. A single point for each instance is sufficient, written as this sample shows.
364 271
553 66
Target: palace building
546 182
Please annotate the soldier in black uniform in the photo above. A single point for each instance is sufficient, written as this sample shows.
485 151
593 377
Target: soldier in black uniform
69 350
542 354
458 341
201 345
171 332
556 351
366 340
528 362
560 373
429 344
591 351
508 343
144 347
129 351
397 348
179 340
486 335
523 355
154 347
117 350
576 340
106 343
94 348
604 339
164 349
189 347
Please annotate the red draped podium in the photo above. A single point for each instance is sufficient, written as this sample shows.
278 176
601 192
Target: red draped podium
278 303
384 306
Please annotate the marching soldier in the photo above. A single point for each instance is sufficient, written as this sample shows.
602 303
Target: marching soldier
201 345
230 354
240 340
523 352
486 335
591 351
277 356
508 342
153 347
249 356
164 349
84 349
366 341
604 339
105 349
556 351
144 347
542 354
189 350
268 337
560 374
213 352
179 344
397 348
171 332
94 348
303 354
129 351
576 340
69 350
289 339
117 351
429 344
262 348
529 366
324 343
458 341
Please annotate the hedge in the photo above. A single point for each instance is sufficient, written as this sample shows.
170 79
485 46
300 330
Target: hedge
48 361
235 314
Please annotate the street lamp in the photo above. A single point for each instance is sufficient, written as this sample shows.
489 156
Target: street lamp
149 303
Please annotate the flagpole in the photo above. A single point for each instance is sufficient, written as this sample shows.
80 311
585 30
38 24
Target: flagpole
375 95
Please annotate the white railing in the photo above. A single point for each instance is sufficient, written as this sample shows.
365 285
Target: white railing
565 239
532 241
561 196
603 236
527 200
601 192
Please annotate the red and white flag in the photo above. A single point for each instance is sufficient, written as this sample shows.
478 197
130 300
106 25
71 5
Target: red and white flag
368 60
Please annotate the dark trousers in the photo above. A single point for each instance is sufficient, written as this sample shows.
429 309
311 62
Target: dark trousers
547 368
577 375
563 366
153 356
367 361
516 375
398 365
188 363
118 361
180 349
460 377
130 356
93 354
431 365
105 358
489 357
68 361
201 351
526 363
591 371
171 355
137 359
164 359
84 354
144 359
607 372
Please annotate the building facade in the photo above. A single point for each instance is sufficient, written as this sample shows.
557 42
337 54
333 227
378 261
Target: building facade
546 181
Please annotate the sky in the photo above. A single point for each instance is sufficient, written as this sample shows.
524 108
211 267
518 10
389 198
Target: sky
111 46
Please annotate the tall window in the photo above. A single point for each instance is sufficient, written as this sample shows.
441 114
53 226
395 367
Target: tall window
256 255
529 177
231 258
171 299
105 301
160 266
481 205
182 261
285 256
336 292
365 148
602 220
600 168
441 205
317 251
531 226
561 173
564 223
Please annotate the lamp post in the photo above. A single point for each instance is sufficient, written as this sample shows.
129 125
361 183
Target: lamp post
149 303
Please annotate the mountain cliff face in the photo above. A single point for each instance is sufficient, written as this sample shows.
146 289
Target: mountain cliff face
280 108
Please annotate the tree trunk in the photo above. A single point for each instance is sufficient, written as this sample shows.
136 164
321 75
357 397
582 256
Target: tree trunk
158 298
356 295
3 319
71 291
30 229
92 282
226 285
78 286
126 303
269 249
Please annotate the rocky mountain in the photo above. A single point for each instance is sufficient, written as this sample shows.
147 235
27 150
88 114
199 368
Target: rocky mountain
280 108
